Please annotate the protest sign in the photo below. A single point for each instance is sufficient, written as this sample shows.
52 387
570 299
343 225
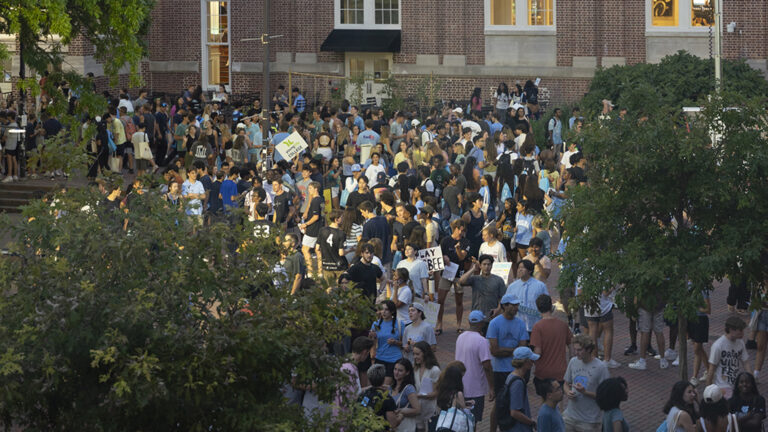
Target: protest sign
433 257
449 273
431 310
291 146
502 270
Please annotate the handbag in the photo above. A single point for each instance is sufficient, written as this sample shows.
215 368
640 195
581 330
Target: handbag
408 424
455 420
114 164
143 151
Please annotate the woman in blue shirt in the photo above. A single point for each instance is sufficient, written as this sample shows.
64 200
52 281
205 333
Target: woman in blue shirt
389 333
523 228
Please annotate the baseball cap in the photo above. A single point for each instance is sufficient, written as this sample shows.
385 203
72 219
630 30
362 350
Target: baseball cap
356 167
381 176
524 353
415 122
418 306
510 299
458 110
476 316
240 126
712 394
164 104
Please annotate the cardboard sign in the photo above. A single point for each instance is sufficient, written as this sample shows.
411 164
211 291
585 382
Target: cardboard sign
433 257
431 310
290 147
502 270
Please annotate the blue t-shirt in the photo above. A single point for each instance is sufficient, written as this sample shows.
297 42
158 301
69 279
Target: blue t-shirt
227 191
528 291
277 139
518 400
386 352
550 420
508 334
614 415
368 137
524 223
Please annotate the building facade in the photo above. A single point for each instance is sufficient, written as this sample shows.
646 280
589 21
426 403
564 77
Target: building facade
461 44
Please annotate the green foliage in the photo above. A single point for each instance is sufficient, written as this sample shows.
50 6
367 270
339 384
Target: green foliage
393 96
678 80
426 90
667 211
160 327
355 86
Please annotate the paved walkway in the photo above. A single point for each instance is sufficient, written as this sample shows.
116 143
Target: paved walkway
648 390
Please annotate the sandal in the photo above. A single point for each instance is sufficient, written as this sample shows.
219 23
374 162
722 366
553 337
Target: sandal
438 332
459 330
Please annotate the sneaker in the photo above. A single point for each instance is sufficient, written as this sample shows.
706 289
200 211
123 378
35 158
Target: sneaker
676 362
663 364
751 344
7 179
630 350
15 178
694 381
613 364
639 364
670 354
576 329
651 352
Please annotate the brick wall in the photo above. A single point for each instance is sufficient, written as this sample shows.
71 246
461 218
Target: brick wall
750 40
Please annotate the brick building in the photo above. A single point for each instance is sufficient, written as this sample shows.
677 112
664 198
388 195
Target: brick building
462 43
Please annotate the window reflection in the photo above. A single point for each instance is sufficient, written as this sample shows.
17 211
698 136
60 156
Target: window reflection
664 13
702 14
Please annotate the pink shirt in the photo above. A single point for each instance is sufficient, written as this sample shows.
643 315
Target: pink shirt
473 349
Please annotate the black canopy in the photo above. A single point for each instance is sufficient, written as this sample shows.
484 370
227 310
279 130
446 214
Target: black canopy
362 41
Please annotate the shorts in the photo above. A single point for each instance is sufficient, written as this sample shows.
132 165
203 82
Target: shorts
608 316
388 366
572 425
309 241
521 247
445 285
335 192
647 321
499 379
762 321
142 164
11 152
121 149
477 410
698 331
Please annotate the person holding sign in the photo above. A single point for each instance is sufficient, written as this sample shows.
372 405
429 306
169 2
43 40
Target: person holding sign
487 288
455 250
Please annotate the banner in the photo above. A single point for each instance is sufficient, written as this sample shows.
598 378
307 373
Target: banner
433 257
291 146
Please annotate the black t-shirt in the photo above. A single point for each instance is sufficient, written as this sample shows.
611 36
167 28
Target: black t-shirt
315 209
449 246
52 126
162 123
214 202
281 204
408 228
365 276
379 401
330 241
738 406
263 228
356 198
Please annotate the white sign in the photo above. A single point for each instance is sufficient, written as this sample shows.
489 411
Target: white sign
502 270
431 310
290 147
433 257
449 273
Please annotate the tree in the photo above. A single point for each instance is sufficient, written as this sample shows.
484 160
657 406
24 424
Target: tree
160 327
669 209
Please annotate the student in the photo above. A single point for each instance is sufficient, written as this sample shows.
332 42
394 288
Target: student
726 356
610 394
549 418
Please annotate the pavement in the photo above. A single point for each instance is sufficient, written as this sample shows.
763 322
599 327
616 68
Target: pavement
648 390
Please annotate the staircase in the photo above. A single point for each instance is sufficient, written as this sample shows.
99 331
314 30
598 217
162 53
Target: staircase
13 195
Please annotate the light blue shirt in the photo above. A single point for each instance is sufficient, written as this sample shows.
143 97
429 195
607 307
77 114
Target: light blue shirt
524 224
556 127
277 139
194 206
508 334
368 137
528 291
359 122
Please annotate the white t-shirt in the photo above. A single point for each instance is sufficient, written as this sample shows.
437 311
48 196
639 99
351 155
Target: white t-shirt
497 251
476 129
566 160
417 270
727 356
372 172
405 295
502 101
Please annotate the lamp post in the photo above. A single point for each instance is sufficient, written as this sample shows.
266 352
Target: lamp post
717 9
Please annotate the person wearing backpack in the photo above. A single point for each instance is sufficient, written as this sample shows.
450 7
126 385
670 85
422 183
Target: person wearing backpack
513 410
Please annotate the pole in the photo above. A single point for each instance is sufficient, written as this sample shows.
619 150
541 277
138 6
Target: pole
290 88
266 99
22 158
717 5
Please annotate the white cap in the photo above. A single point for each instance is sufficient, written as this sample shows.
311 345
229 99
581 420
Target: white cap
415 122
240 126
97 118
712 394
458 110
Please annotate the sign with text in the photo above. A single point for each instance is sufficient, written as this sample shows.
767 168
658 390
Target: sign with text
431 310
290 147
502 270
433 257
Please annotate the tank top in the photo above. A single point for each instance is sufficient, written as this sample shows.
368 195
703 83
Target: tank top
475 226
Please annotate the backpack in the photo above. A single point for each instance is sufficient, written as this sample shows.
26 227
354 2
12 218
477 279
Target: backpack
503 418
130 127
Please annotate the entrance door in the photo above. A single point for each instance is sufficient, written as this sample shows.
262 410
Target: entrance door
375 67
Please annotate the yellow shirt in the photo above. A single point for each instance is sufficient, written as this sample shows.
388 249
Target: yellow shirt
118 131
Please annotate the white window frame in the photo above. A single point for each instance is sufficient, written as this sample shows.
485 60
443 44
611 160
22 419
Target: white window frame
369 17
683 20
521 20
204 71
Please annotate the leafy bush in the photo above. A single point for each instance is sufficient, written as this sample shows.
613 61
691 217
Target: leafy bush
678 80
159 327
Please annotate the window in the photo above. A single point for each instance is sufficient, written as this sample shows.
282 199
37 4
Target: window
356 67
702 14
381 69
526 15
502 12
387 11
664 13
540 12
367 14
352 11
216 39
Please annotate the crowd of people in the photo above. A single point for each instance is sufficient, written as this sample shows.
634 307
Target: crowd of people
372 190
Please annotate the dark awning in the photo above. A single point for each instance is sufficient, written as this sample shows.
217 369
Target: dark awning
362 41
